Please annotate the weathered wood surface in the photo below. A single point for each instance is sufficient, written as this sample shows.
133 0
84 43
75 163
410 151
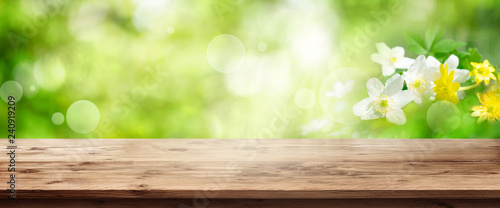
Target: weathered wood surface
255 203
255 169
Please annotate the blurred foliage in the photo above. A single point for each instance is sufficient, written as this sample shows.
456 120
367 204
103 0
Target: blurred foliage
144 63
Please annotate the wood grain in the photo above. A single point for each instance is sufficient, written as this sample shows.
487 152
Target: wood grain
255 203
255 169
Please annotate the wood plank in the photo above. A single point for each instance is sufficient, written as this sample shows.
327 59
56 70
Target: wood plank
254 203
256 169
267 149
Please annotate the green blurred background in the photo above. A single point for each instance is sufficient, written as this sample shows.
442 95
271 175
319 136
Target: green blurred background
220 69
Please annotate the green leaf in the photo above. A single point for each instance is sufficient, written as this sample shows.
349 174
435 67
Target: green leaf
439 35
400 71
416 43
447 45
474 55
414 39
462 54
432 36
417 49
441 57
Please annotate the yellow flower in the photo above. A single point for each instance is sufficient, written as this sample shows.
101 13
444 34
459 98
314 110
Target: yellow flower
445 88
490 108
482 71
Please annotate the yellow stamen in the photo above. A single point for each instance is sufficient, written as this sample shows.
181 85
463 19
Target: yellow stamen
393 59
383 104
419 85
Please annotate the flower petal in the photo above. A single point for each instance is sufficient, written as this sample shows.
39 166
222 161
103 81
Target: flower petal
451 74
491 119
478 79
481 98
491 69
461 95
396 116
453 99
417 98
486 63
374 87
393 85
431 74
404 63
492 76
455 86
452 62
415 69
441 96
372 115
364 109
383 49
486 80
388 69
419 63
380 59
481 119
432 62
398 51
461 75
430 90
475 65
402 98
473 72
361 108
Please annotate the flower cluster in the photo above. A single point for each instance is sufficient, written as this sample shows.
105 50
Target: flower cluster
426 79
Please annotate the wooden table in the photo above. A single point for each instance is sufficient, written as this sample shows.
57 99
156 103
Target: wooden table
254 173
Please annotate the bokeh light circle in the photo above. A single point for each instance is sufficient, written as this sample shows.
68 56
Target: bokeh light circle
83 116
23 73
11 88
225 53
341 90
262 46
305 98
57 118
170 29
443 117
49 72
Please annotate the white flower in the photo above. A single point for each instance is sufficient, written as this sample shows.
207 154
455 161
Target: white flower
420 79
314 126
461 75
384 100
340 90
391 59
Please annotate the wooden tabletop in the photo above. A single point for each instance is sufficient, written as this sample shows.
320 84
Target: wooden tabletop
255 169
